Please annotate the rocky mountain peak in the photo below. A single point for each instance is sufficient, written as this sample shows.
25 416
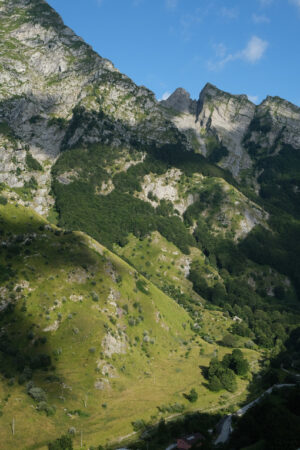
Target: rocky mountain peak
180 101
211 92
56 92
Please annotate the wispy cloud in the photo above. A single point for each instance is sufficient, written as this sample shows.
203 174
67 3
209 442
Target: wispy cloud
187 21
253 98
260 18
171 4
296 3
99 2
165 96
254 50
229 13
252 53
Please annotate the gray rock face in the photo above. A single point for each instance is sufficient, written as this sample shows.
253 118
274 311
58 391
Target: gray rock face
55 91
232 121
47 71
227 117
180 101
281 120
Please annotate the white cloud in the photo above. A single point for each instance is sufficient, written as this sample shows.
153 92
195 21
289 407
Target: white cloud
260 19
296 3
171 4
252 53
165 96
253 98
220 50
229 13
254 50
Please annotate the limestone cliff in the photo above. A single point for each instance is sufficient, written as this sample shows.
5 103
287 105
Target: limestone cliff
55 92
234 124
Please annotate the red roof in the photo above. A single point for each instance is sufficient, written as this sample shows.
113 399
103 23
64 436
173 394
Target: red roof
185 443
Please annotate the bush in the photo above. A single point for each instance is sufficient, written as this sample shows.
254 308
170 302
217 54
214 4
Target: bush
43 406
3 200
221 374
192 396
62 443
95 297
139 425
38 394
32 163
215 384
229 341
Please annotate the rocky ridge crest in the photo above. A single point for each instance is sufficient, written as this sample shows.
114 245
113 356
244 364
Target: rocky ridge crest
232 121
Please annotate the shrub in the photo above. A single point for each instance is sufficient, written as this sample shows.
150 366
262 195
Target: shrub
229 340
139 425
215 384
192 396
95 297
32 163
43 406
38 394
3 200
62 443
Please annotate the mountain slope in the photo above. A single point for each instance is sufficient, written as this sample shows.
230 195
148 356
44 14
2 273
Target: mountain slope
85 339
201 200
56 92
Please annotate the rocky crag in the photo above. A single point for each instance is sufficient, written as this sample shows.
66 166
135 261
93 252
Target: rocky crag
200 198
234 125
55 92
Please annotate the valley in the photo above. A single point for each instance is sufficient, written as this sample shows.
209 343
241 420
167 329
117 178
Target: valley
149 251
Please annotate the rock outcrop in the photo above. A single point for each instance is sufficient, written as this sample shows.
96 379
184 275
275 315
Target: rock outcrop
234 124
56 92
180 101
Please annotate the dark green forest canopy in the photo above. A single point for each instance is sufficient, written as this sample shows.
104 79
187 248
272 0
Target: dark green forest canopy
110 218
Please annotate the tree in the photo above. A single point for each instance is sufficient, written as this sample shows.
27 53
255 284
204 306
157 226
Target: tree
241 367
236 362
192 396
228 380
215 384
214 367
229 340
62 443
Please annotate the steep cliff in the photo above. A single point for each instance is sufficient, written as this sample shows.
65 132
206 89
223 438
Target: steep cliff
230 130
55 92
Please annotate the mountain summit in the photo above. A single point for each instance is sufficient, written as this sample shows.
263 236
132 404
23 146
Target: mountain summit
180 101
232 120
149 262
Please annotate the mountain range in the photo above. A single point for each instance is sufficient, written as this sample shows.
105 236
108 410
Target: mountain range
140 240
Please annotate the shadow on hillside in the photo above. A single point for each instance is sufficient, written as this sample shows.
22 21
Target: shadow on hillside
25 349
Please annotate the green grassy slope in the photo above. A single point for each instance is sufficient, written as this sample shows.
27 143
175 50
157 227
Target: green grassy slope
247 265
97 344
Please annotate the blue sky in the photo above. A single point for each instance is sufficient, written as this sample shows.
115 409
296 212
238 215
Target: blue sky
241 46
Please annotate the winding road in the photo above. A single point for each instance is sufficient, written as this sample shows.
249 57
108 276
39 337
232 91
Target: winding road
226 427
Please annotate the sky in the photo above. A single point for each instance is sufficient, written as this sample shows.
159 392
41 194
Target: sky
242 46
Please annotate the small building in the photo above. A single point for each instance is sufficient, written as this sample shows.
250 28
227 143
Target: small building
185 443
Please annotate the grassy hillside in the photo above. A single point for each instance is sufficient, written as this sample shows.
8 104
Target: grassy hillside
86 341
246 263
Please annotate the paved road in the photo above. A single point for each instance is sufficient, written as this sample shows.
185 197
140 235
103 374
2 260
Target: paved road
226 427
225 431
